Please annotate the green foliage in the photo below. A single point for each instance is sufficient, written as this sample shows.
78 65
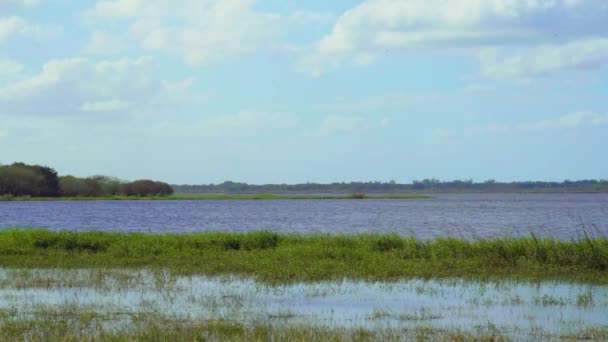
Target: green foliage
392 187
68 324
21 181
146 187
284 258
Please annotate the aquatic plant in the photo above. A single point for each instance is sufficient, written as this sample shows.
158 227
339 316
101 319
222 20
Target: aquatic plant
274 257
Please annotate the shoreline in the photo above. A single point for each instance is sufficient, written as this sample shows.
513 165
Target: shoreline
217 197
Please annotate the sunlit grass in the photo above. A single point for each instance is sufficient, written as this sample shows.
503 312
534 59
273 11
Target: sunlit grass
275 258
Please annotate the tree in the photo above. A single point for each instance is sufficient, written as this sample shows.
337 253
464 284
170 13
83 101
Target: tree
146 187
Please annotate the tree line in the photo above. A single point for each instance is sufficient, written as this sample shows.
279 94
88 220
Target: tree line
20 179
426 185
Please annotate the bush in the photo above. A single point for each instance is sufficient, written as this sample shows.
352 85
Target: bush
146 187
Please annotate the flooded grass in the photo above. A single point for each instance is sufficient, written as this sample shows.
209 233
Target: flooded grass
275 258
118 304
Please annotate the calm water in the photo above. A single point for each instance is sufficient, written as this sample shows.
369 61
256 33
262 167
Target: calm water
516 309
459 215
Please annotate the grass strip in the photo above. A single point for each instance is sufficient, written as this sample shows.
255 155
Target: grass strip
47 324
276 258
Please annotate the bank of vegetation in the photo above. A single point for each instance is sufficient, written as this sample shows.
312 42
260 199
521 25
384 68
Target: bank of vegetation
70 325
272 257
392 187
21 180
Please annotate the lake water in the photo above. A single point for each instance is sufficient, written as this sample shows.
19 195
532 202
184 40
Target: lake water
459 215
516 309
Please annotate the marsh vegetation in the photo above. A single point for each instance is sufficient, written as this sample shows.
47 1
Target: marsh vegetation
277 258
158 304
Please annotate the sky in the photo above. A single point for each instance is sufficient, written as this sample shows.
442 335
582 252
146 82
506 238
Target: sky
285 91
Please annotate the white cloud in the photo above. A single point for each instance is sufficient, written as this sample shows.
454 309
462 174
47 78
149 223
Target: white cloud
545 59
105 106
12 26
199 31
73 86
375 26
103 43
16 26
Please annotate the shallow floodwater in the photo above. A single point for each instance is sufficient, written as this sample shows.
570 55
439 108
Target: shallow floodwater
515 309
458 215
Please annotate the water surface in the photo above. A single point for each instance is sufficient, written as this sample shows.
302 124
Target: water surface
515 309
458 215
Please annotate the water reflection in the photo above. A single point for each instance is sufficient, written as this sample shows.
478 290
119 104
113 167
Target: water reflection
514 308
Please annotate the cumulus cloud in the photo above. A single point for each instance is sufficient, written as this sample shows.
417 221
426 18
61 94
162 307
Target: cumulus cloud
103 43
15 26
199 31
74 86
375 26
12 26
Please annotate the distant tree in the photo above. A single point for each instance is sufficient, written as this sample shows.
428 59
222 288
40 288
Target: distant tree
20 179
146 187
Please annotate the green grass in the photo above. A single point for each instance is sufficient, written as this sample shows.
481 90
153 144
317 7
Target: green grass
218 197
69 324
275 258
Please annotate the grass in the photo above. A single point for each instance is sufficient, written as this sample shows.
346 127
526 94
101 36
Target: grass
218 197
67 324
275 258
70 325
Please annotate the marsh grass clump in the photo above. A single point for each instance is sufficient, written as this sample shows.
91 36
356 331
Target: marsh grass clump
385 243
273 257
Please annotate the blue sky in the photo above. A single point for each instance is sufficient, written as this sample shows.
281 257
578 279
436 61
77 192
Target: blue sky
202 91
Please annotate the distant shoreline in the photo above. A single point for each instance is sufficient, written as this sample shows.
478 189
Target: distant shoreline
220 197
262 197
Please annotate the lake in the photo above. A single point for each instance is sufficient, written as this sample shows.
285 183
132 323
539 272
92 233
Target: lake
468 216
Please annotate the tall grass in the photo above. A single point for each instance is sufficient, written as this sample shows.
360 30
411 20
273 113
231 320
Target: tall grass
283 258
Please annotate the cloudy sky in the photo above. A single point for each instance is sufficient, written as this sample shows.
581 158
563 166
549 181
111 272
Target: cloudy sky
202 91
